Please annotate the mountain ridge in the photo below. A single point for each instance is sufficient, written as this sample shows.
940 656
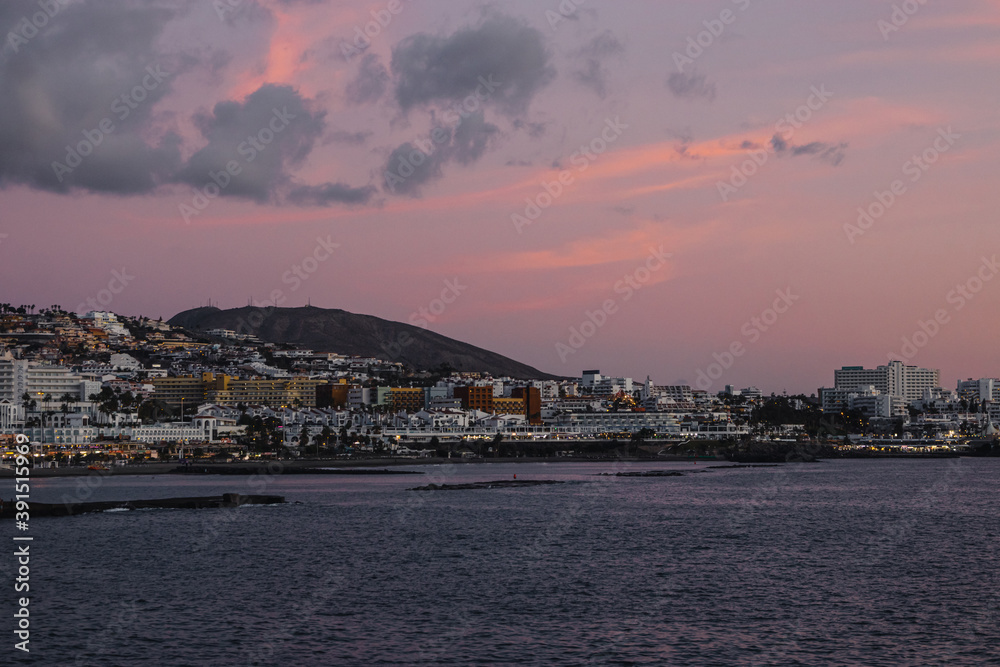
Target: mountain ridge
343 332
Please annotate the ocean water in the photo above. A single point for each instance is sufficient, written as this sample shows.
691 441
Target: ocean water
889 562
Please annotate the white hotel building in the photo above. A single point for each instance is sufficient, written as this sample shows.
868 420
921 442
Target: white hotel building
894 379
18 376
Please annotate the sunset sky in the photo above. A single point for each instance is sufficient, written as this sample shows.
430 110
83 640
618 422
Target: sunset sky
675 169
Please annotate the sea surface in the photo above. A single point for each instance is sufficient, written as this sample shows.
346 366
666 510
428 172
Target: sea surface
886 562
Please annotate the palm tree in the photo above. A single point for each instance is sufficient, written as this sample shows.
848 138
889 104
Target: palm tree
68 398
46 401
107 401
29 404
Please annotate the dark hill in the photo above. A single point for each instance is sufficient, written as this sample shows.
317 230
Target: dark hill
329 330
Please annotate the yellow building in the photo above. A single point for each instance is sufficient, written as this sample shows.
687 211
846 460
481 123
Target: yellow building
276 392
508 406
228 390
187 389
406 398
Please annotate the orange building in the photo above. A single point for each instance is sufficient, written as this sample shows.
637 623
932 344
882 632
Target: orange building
532 398
475 398
332 395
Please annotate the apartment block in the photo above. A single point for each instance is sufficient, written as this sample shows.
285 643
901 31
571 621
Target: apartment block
227 390
895 379
406 398
984 389
39 380
475 398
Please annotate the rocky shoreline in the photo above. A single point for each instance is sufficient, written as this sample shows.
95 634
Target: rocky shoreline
500 484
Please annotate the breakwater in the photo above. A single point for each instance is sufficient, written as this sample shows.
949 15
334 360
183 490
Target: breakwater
8 508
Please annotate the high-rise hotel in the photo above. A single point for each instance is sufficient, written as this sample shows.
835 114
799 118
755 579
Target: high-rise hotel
895 379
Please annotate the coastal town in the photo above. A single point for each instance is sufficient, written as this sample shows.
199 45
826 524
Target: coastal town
102 389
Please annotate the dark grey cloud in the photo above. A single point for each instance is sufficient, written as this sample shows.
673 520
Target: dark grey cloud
413 165
602 46
535 130
329 193
258 143
234 12
217 61
370 83
409 168
273 130
349 138
684 139
472 138
506 52
77 96
593 73
832 154
691 86
809 149
593 76
78 100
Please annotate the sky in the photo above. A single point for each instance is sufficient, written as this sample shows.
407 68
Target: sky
706 192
